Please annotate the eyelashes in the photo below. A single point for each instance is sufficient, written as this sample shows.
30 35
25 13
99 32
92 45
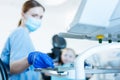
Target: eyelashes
37 16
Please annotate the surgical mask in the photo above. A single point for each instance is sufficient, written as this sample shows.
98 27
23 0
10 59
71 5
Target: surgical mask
32 24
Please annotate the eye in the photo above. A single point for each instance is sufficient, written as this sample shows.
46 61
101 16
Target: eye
34 15
41 17
65 55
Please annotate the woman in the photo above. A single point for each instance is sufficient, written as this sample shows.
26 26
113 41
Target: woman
18 54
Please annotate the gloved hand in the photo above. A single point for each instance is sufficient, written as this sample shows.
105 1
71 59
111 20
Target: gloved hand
40 60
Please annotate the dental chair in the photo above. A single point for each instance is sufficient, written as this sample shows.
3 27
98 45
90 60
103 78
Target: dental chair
3 71
58 43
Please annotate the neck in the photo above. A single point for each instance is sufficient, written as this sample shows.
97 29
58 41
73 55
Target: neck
23 25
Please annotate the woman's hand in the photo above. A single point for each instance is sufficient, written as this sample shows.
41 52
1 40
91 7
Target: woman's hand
40 60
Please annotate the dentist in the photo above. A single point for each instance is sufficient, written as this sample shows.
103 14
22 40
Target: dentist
18 54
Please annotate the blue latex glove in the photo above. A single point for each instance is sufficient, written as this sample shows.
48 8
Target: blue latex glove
40 60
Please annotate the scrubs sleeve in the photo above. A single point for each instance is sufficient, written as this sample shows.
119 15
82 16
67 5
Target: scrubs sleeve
21 45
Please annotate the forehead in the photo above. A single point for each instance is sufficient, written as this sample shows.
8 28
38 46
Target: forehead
36 10
68 52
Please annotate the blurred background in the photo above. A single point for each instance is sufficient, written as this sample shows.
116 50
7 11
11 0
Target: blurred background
57 18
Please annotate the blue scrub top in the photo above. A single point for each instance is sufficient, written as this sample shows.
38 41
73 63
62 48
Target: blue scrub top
17 47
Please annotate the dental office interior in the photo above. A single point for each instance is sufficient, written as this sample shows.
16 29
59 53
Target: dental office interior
90 27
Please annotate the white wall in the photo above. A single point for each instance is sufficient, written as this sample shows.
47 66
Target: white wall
9 17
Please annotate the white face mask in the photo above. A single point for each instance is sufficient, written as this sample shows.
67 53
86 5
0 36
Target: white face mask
32 24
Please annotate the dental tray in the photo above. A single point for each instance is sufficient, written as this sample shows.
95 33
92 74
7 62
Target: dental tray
57 71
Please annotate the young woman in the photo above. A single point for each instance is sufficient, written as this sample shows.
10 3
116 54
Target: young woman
19 54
